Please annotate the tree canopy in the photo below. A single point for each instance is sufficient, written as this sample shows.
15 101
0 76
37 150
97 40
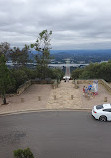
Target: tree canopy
42 46
94 71
20 56
4 49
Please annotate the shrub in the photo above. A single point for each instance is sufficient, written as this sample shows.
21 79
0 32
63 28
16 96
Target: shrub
20 77
26 153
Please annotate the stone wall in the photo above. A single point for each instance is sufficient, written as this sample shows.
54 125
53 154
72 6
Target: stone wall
23 87
38 81
105 84
84 81
101 81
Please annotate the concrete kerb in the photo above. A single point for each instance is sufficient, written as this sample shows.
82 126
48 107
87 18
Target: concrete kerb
41 110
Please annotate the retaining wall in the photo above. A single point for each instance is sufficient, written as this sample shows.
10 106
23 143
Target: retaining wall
23 87
105 84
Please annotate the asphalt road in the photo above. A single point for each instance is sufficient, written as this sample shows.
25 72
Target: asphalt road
55 135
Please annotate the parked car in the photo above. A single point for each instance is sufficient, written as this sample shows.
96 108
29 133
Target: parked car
102 112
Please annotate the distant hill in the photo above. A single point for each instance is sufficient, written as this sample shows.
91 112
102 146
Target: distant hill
82 55
72 52
86 56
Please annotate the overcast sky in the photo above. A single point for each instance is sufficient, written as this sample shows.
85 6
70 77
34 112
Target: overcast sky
76 24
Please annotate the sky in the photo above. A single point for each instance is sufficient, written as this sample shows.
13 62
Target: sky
75 24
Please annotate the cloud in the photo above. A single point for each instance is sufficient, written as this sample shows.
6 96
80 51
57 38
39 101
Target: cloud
76 24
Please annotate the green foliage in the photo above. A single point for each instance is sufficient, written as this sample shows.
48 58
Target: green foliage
76 73
5 79
94 71
42 46
26 153
20 56
50 73
57 74
4 48
20 77
31 73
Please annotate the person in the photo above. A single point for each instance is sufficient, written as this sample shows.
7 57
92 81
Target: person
89 87
92 90
86 91
83 90
67 79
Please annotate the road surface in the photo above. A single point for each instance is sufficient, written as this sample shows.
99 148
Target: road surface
68 134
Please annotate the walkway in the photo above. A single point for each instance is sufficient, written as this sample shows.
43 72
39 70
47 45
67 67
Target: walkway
63 97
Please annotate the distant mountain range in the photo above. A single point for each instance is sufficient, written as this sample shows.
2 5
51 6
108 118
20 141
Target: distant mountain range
78 51
86 56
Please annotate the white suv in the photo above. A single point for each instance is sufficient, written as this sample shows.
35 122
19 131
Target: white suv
102 112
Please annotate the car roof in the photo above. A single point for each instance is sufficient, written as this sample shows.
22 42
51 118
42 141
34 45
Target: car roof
105 106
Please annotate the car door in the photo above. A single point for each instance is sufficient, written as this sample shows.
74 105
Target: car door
107 113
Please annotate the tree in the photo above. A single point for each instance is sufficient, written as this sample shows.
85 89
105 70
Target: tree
76 73
20 57
4 48
57 73
94 71
4 78
42 46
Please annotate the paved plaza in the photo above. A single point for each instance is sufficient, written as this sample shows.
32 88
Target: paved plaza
63 97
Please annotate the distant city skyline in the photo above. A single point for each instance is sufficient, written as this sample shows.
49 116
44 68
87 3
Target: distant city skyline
75 24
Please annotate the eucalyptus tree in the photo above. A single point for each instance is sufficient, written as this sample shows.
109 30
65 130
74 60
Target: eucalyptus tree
19 56
4 49
42 46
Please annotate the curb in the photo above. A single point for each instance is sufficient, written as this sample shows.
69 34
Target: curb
40 110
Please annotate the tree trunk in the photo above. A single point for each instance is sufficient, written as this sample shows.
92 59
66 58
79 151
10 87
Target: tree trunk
4 99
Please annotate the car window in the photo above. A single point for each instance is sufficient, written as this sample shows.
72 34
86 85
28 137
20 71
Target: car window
99 106
107 110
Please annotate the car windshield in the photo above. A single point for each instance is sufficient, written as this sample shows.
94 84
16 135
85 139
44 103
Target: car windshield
99 106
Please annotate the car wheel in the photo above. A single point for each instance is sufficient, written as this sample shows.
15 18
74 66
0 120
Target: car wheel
103 118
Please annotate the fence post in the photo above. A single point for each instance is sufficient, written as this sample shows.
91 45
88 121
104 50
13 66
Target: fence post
72 97
105 99
39 98
54 97
22 100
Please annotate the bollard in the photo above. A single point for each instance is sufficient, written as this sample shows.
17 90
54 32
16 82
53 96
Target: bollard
22 100
105 99
39 98
52 86
54 97
72 97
